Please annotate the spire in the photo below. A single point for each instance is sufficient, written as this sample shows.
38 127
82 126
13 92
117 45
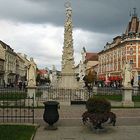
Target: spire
133 25
135 12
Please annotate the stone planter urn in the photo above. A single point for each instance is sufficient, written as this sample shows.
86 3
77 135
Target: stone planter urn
51 114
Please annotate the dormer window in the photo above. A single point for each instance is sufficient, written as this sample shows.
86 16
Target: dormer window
131 34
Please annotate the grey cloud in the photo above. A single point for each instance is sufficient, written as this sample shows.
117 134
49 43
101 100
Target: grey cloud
95 23
104 16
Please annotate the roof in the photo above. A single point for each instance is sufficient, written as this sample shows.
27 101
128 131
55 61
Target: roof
132 30
7 48
133 26
42 71
91 56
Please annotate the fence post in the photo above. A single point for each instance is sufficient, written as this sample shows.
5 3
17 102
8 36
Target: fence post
127 97
95 88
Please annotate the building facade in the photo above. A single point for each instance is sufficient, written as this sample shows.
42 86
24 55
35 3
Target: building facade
2 61
23 64
20 69
9 64
123 49
13 66
89 60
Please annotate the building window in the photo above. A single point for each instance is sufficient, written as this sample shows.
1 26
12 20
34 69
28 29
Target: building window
131 61
131 51
123 52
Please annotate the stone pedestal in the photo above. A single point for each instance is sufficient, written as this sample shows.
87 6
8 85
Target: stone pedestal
68 81
31 91
127 97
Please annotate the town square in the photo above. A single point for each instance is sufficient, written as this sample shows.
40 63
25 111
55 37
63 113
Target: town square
69 70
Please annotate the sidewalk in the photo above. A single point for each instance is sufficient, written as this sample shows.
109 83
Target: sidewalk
70 126
85 133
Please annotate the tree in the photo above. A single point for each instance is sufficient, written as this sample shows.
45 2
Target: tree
90 79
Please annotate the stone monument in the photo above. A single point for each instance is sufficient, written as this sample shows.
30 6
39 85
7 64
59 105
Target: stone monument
127 75
31 73
127 87
31 81
68 76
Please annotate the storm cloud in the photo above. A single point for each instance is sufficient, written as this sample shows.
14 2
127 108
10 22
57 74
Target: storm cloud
38 25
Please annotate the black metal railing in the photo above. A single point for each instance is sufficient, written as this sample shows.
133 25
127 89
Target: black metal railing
62 95
136 92
16 107
109 91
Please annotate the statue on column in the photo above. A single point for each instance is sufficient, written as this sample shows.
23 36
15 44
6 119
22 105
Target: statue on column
31 73
54 76
127 75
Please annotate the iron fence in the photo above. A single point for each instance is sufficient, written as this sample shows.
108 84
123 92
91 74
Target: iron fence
136 92
116 91
61 95
109 91
15 106
78 96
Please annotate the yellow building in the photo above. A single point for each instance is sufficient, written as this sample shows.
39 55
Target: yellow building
9 64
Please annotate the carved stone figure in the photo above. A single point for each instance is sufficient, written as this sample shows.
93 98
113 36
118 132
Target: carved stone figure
31 73
127 75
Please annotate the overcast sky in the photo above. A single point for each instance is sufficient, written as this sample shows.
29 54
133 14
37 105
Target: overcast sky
36 27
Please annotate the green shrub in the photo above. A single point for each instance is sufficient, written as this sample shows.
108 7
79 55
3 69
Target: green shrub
98 105
13 96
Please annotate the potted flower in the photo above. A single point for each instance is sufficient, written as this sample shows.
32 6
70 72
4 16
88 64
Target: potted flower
98 112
